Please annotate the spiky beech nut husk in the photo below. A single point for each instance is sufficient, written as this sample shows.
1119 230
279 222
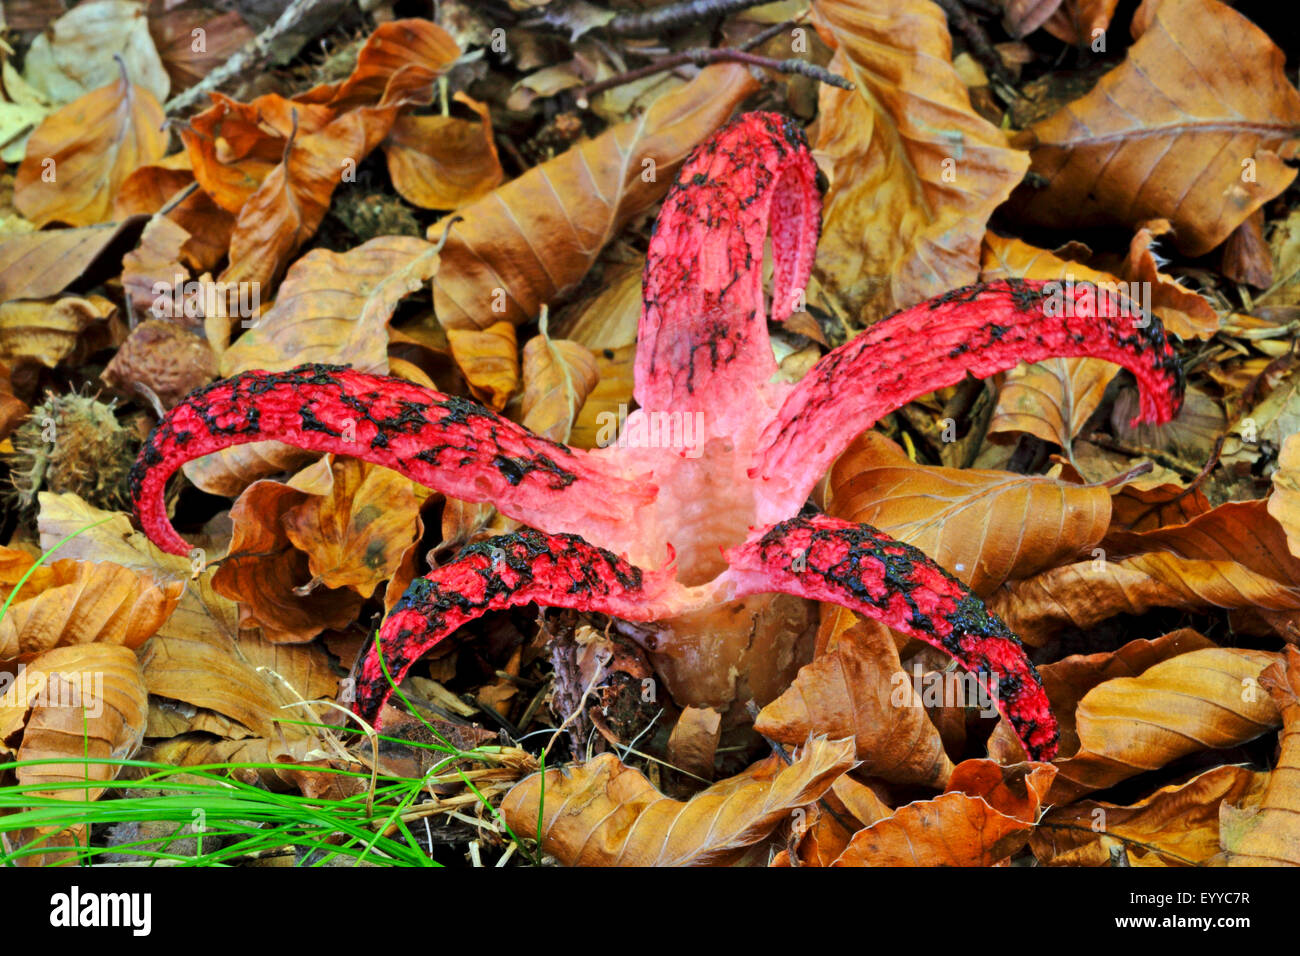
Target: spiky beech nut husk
72 443
169 360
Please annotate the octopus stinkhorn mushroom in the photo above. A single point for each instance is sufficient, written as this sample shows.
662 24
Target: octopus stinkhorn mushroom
646 533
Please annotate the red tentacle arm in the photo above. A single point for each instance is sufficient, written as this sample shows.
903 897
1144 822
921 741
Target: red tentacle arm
981 329
526 567
702 342
869 572
447 443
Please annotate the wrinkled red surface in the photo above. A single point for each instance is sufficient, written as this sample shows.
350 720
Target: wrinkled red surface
867 571
760 446
444 442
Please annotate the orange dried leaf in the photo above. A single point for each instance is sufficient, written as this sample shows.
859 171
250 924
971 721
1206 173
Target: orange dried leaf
604 813
81 154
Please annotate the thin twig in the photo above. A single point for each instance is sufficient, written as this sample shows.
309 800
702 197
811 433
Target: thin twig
980 46
654 22
703 57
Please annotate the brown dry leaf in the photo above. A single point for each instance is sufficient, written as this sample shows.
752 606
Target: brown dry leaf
915 168
1051 400
609 316
1181 310
80 602
12 409
860 691
1067 681
334 307
77 53
80 155
291 201
1232 557
604 813
264 572
1144 505
152 271
40 265
532 239
985 526
148 189
246 680
1270 835
73 705
442 162
232 146
986 816
231 470
489 360
855 805
47 332
1201 700
558 376
607 405
186 60
355 533
1284 503
1178 825
1170 133
201 610
401 58
694 741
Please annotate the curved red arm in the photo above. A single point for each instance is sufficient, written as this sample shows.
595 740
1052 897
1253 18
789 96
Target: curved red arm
702 341
554 570
869 572
981 329
441 441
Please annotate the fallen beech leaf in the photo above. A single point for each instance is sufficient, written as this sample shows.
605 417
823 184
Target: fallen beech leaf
47 332
986 527
247 680
608 403
1178 825
1246 256
81 154
80 602
188 62
605 813
334 307
1182 311
201 611
1051 400
1078 21
907 149
694 741
354 535
152 270
39 265
292 200
400 58
1284 504
1143 506
533 238
489 360
986 816
1067 681
1270 835
860 691
233 146
608 318
148 189
77 707
1170 134
558 376
263 569
1233 557
854 806
78 52
1204 699
441 162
